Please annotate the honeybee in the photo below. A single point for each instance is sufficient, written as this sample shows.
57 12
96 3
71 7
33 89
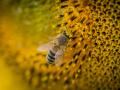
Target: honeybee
55 48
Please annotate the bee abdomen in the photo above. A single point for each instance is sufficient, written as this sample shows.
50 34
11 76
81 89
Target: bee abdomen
51 57
51 53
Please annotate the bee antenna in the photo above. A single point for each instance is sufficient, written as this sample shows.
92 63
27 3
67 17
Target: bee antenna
64 32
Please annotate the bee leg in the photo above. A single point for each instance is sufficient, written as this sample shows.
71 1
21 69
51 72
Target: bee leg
59 58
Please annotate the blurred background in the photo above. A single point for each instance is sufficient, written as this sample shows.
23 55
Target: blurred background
24 25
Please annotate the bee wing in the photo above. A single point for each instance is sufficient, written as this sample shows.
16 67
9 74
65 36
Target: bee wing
47 46
44 47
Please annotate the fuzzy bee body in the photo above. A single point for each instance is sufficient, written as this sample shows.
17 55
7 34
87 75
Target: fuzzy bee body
56 50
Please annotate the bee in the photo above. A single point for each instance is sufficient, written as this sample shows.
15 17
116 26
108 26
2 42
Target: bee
55 49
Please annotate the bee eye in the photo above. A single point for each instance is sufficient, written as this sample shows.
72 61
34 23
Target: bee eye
62 40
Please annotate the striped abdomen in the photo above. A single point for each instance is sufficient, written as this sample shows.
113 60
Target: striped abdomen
51 57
